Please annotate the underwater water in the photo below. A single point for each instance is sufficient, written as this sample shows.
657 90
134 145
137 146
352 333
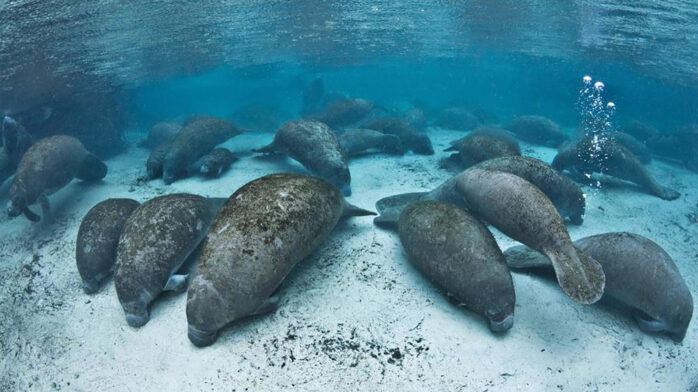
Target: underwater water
266 195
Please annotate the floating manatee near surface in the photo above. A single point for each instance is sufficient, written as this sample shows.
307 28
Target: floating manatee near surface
98 237
156 241
457 252
262 231
639 275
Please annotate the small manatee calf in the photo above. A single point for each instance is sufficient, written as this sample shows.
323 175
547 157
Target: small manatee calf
345 112
15 142
215 162
98 237
457 252
316 147
365 141
607 156
482 144
639 275
538 130
197 138
156 241
47 166
262 231
521 211
412 139
160 133
457 118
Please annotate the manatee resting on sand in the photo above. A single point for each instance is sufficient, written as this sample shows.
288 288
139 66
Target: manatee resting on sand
262 231
607 156
215 162
639 275
316 147
457 252
521 211
98 237
538 130
363 141
47 166
481 145
153 165
160 133
345 112
412 139
156 241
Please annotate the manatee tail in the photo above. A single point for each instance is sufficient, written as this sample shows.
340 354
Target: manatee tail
391 207
523 257
580 277
352 210
92 169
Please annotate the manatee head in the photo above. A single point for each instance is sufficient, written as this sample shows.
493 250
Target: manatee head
574 208
421 144
339 176
172 168
18 199
206 312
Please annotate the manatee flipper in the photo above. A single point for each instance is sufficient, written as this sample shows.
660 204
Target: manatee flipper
583 279
176 283
389 208
648 324
92 169
522 257
30 215
352 210
269 306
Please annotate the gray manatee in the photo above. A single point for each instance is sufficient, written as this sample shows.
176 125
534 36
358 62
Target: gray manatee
635 146
345 112
156 241
197 138
482 144
316 147
98 237
262 231
538 130
521 211
160 133
47 166
457 252
412 139
639 275
215 162
362 141
607 156
154 164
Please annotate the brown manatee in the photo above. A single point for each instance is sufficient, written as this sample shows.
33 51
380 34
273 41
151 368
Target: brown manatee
480 145
639 275
538 130
607 156
156 241
521 211
15 142
457 252
197 138
315 146
363 141
98 237
262 231
47 166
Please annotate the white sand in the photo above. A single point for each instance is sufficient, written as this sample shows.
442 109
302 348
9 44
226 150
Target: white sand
355 316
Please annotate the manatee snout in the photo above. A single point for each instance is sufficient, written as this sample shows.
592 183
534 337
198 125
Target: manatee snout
501 323
90 287
204 312
137 314
422 144
15 206
8 121
201 338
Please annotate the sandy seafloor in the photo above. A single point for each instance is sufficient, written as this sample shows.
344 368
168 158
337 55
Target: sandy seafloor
354 316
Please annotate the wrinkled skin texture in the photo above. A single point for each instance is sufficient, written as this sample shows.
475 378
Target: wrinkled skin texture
521 211
411 139
483 144
538 130
345 112
261 232
49 165
155 242
639 274
196 139
567 197
15 142
363 141
457 252
98 237
617 161
160 133
215 162
316 147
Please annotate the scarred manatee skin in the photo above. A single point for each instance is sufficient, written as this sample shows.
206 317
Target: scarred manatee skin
98 237
457 252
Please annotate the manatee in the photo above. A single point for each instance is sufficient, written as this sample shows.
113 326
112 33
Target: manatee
565 195
215 162
607 156
362 141
639 275
412 140
316 147
98 236
15 142
262 231
155 242
639 130
47 166
635 146
457 118
521 211
196 139
345 112
681 146
482 144
538 130
457 252
160 133
153 165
